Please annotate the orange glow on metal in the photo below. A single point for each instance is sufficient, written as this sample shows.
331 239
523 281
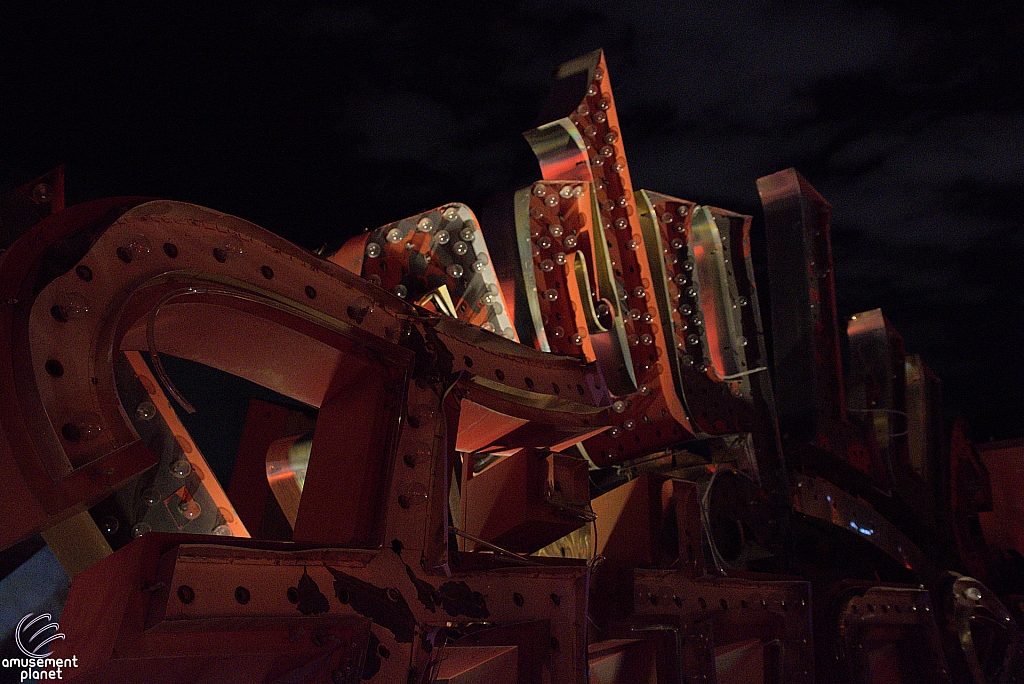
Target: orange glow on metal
560 233
654 416
195 457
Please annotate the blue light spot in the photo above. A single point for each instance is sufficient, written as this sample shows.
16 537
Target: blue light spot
866 531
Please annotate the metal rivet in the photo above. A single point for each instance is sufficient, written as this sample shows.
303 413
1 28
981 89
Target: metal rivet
186 594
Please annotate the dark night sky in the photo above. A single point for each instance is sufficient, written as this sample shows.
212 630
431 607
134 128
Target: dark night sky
317 121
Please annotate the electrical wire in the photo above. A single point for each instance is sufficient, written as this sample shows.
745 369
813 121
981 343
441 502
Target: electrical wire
705 507
220 290
154 355
741 374
519 558
906 417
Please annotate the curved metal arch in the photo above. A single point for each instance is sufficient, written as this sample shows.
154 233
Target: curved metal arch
71 441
